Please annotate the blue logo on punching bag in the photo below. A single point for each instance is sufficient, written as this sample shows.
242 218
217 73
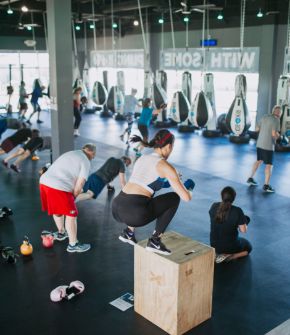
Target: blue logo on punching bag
238 120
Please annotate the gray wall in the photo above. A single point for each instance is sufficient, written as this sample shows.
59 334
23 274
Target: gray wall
270 38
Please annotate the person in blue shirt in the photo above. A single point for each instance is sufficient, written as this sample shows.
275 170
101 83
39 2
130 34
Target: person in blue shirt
35 95
144 121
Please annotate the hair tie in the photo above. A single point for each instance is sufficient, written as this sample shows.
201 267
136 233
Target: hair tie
164 139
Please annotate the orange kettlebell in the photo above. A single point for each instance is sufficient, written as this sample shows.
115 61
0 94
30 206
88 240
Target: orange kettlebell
47 241
26 248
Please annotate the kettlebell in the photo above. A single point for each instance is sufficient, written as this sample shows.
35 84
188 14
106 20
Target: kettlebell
26 248
47 241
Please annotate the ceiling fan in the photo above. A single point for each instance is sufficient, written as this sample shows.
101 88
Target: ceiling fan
186 10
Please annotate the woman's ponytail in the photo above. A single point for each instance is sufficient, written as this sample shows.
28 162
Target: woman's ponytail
228 195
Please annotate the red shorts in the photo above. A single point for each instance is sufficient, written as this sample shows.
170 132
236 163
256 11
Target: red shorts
57 202
7 145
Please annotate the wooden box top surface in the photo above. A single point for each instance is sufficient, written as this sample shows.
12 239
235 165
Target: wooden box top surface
183 249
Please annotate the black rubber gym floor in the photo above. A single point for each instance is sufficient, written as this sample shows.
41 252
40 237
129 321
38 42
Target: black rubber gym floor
251 296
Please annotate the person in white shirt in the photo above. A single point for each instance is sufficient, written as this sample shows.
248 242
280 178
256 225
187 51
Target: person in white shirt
59 186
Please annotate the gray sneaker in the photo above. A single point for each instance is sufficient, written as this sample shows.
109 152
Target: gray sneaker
60 236
78 247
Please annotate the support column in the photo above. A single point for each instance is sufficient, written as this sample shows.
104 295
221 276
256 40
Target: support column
267 51
60 72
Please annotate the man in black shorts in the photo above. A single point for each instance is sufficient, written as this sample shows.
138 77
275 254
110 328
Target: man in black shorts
268 127
103 176
36 142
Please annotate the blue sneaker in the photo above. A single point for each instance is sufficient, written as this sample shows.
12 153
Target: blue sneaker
78 247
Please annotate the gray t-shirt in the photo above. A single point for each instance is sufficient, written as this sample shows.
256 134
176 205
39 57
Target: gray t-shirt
110 170
267 124
130 104
22 95
64 172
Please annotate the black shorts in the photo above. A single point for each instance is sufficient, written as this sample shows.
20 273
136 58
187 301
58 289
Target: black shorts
265 155
23 105
143 130
33 144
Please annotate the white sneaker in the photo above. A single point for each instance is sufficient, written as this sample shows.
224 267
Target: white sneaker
76 132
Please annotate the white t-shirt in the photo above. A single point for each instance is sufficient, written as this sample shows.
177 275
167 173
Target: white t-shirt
64 172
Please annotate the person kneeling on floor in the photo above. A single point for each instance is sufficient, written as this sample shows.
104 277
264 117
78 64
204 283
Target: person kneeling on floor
104 175
226 222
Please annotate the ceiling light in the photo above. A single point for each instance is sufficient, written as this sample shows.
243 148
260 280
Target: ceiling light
115 25
160 21
78 27
9 10
220 16
186 19
260 14
29 28
136 23
92 26
24 9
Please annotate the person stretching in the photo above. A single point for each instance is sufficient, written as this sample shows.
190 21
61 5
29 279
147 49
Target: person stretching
19 137
104 175
136 205
226 221
35 143
59 186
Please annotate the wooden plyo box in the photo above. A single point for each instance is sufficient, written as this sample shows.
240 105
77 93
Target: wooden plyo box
174 292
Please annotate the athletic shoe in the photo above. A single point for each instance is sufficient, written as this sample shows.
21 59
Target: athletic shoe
268 188
39 121
252 182
154 244
5 164
60 236
125 237
122 138
78 247
15 168
221 258
28 121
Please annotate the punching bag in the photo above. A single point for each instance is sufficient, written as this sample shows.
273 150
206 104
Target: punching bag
208 87
147 85
161 79
179 110
105 80
238 118
283 90
201 110
159 96
121 81
115 101
187 85
241 86
99 93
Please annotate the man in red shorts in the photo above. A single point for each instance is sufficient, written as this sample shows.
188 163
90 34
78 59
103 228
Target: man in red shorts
59 186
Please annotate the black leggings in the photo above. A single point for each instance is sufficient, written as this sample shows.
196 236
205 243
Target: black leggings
78 118
138 210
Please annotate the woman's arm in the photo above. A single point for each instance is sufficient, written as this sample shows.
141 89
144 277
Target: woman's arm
166 170
243 228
